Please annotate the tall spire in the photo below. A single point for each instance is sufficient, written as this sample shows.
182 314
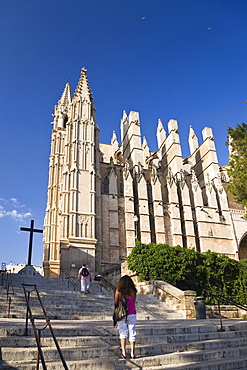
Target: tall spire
83 88
66 95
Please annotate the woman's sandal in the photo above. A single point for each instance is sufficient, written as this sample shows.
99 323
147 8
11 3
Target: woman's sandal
133 357
122 357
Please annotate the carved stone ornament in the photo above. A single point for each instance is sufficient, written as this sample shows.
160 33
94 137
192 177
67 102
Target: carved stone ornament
209 184
180 179
81 219
218 184
126 170
154 175
194 182
169 176
139 172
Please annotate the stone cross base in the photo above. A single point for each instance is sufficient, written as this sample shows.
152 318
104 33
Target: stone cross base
28 270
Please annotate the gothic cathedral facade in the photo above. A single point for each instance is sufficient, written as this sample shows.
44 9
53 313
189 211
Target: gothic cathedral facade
103 197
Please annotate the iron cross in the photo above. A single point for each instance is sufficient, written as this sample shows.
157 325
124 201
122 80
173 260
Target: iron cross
31 230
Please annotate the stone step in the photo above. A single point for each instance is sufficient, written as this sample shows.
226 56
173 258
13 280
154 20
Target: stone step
116 364
72 349
203 342
159 345
154 362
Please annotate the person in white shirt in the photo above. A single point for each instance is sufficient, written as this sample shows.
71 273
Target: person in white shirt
84 276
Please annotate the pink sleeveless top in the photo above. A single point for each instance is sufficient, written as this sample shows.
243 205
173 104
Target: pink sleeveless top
130 305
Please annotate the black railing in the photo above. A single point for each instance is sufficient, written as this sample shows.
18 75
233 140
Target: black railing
107 285
64 274
8 284
37 331
228 301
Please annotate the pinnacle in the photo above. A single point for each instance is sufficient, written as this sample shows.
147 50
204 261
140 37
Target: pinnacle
83 88
66 95
160 124
192 132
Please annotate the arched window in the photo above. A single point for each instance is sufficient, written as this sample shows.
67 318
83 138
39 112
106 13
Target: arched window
106 185
65 120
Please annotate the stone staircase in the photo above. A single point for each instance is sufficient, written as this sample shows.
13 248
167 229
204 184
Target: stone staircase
62 303
84 330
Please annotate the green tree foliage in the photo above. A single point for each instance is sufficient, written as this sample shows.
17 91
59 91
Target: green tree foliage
207 274
222 275
176 265
237 167
241 295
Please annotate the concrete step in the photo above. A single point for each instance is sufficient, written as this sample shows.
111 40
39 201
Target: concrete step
116 364
158 363
101 343
154 362
104 346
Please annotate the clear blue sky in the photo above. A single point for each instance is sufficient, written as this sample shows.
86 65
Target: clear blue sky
180 59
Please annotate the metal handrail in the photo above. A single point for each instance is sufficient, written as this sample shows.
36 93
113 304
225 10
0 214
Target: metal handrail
37 331
7 279
69 278
227 300
106 283
9 283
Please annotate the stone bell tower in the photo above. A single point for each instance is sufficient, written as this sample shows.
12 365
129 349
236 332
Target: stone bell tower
74 189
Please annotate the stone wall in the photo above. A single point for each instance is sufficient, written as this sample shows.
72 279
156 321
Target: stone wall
228 312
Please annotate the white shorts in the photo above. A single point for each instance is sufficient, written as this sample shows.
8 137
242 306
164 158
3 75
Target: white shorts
127 329
85 285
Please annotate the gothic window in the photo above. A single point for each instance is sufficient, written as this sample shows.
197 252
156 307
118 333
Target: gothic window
86 230
91 180
91 227
87 149
65 203
92 203
121 186
58 143
85 131
65 120
66 181
64 227
73 200
223 177
106 185
149 191
74 179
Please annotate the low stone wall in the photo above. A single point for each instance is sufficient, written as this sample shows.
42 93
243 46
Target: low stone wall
182 301
228 312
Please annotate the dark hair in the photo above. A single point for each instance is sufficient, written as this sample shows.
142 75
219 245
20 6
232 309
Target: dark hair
126 286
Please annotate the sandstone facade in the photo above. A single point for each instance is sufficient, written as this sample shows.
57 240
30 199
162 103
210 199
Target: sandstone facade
102 197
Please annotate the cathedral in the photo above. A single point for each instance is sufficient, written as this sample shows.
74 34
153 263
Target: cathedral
103 197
